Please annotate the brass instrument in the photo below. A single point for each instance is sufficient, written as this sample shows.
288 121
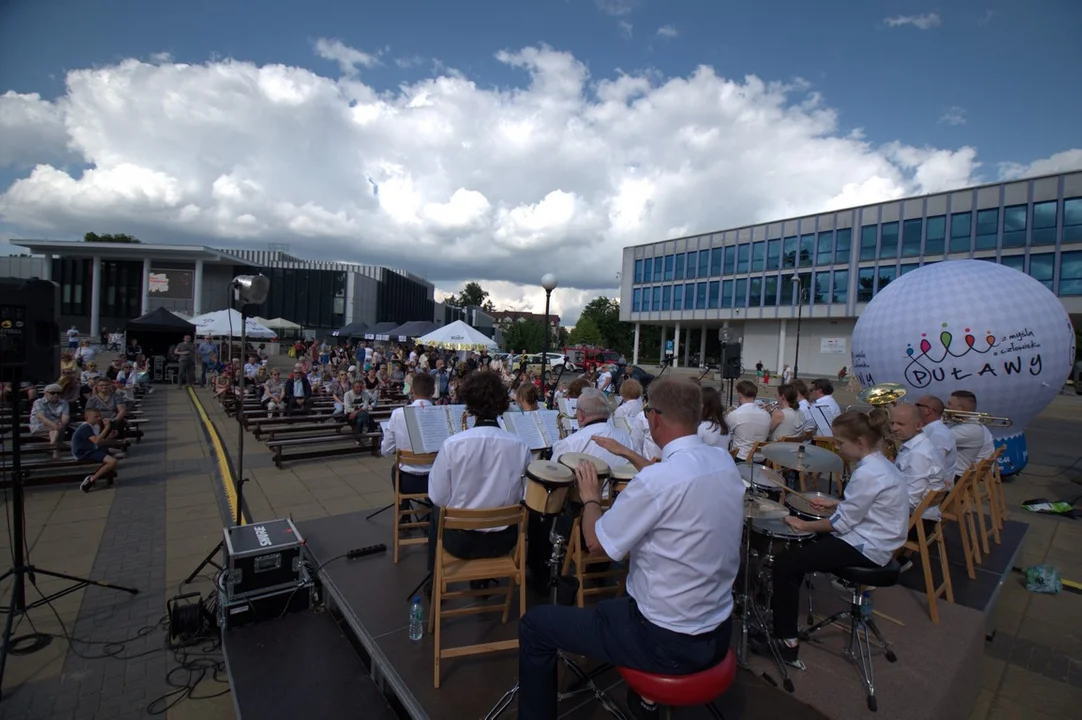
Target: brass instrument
465 416
963 416
882 394
564 430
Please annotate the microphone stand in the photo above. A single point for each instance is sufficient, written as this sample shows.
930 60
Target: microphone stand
552 395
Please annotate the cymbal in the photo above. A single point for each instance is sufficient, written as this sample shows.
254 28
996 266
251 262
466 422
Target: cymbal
882 394
761 474
756 508
812 459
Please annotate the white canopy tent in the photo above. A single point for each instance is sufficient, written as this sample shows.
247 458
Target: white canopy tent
226 323
277 323
457 336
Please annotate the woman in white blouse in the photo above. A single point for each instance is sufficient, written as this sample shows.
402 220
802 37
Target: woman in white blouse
712 429
787 421
631 399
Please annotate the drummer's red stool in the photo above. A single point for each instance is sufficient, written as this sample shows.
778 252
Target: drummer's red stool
669 691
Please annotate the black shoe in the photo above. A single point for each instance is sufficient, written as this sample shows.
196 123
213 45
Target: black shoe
640 708
790 655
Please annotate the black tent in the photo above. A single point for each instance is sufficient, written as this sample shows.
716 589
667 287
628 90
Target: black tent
159 330
380 330
413 329
354 329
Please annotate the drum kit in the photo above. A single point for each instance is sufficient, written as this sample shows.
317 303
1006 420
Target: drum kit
767 502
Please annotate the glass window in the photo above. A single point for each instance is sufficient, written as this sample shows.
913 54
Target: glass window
889 243
789 253
1041 267
730 260
741 297
807 250
1018 262
666 297
822 286
700 296
1044 223
1014 226
886 276
1072 220
869 234
770 291
911 231
657 298
727 294
824 253
841 286
786 283
961 227
692 264
715 261
934 241
657 269
715 292
908 267
689 296
638 271
773 254
704 263
636 297
669 262
1070 273
679 275
987 229
807 292
742 254
755 292
647 269
758 250
843 240
678 296
865 284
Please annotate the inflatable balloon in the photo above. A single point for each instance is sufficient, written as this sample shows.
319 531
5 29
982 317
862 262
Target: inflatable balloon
970 325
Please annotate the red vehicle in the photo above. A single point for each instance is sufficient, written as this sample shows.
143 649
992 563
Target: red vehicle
588 357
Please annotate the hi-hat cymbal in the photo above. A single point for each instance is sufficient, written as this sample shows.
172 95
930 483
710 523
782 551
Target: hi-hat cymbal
757 508
882 394
760 475
806 458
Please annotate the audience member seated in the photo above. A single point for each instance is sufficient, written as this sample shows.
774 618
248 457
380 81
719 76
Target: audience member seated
298 394
273 400
357 405
89 442
113 406
50 415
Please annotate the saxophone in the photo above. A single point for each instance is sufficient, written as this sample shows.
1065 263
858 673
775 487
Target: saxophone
465 415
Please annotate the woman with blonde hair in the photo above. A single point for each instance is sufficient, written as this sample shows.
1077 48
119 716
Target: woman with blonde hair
631 399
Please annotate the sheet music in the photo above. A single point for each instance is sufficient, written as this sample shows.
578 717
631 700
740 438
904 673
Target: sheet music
568 406
526 426
548 424
454 415
427 427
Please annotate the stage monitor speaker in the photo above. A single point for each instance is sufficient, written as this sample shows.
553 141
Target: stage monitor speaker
730 361
29 330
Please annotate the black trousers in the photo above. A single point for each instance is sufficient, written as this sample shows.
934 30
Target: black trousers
292 406
826 554
612 631
469 544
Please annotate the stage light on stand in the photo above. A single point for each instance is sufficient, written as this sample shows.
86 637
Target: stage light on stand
798 292
549 283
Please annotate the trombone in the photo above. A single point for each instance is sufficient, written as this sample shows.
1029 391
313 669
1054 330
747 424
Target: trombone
965 416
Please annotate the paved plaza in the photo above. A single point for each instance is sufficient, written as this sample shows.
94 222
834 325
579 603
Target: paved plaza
167 511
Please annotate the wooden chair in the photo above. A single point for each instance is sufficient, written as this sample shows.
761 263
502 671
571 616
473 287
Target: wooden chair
416 504
580 556
958 507
921 545
995 487
451 570
981 491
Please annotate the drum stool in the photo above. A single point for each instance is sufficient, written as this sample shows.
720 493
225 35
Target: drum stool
861 620
669 691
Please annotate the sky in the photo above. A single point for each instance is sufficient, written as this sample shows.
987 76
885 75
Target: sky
495 141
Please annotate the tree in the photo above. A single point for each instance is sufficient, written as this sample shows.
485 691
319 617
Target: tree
586 332
472 295
92 237
528 335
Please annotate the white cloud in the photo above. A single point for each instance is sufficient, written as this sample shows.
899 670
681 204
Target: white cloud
475 182
348 58
667 31
616 8
926 21
1065 161
986 17
626 29
954 116
411 61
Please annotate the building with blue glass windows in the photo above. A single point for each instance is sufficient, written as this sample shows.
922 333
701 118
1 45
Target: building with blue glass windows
753 282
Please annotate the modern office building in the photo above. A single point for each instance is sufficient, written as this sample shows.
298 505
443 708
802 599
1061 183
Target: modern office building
741 281
103 285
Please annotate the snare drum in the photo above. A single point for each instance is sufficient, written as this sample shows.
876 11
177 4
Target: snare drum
763 480
799 504
621 476
547 484
771 538
572 460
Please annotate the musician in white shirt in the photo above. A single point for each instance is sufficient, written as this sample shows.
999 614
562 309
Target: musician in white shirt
918 460
931 416
824 407
748 423
592 414
712 428
973 441
805 407
680 521
867 526
477 469
631 396
414 478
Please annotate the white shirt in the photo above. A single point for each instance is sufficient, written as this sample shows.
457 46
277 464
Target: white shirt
642 442
479 468
973 442
809 421
921 464
398 438
823 412
356 401
943 440
628 409
873 517
680 521
748 424
711 435
603 380
580 441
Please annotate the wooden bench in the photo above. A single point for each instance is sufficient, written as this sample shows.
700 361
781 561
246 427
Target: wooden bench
57 472
303 424
370 442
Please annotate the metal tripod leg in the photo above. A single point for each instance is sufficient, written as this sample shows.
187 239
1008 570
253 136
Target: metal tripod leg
208 560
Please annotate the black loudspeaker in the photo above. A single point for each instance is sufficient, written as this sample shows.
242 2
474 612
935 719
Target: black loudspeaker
29 330
730 361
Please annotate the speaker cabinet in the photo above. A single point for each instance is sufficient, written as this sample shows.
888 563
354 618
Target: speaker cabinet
29 330
730 361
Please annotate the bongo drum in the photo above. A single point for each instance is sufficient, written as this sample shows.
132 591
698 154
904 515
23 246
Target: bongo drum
547 484
572 460
621 476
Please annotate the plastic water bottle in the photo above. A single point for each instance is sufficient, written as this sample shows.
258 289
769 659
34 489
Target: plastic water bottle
866 606
417 619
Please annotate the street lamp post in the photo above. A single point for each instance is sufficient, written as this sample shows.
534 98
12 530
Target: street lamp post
548 281
799 292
